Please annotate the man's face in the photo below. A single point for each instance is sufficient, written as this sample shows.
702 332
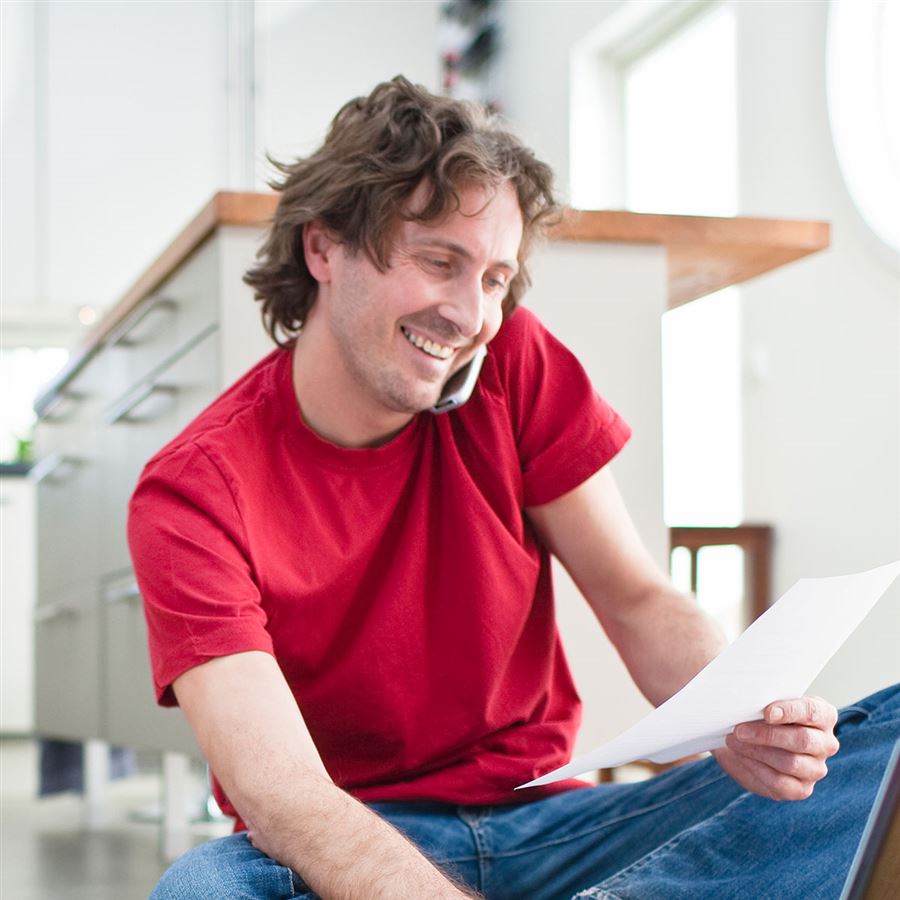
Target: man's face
400 334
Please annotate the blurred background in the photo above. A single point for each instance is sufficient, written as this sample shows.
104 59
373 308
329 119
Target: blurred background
780 398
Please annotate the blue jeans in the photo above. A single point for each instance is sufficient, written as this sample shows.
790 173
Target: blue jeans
689 833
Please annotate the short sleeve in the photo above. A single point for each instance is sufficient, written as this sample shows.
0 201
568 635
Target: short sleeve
189 553
565 432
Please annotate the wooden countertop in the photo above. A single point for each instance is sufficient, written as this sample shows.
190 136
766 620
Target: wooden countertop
704 253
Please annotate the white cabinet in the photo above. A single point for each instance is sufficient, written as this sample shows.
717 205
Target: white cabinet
145 379
69 480
68 655
132 716
164 359
17 596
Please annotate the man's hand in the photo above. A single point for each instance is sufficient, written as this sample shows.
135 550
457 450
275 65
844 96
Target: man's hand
783 756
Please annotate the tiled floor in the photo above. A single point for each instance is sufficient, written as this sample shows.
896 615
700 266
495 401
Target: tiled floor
46 853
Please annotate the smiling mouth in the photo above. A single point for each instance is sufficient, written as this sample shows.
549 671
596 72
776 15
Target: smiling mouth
438 351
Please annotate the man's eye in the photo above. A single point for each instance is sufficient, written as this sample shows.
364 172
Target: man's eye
441 264
497 284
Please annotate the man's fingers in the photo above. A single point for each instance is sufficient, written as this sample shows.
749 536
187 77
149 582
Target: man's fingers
762 779
802 711
740 769
781 786
784 755
797 765
795 738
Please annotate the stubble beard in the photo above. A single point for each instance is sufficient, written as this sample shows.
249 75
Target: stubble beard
394 391
382 380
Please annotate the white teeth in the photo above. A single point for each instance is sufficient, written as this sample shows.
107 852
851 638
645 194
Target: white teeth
430 347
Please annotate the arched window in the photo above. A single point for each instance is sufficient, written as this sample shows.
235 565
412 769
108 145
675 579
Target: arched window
863 78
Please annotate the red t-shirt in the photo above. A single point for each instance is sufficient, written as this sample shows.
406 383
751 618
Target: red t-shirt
401 589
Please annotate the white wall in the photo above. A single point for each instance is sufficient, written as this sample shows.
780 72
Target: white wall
125 119
822 427
17 152
312 57
533 73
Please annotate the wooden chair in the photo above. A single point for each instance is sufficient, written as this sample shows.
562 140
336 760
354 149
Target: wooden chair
756 541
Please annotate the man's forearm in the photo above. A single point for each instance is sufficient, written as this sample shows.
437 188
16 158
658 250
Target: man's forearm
664 639
342 849
248 726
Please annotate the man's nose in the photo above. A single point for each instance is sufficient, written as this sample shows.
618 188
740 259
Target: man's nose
465 309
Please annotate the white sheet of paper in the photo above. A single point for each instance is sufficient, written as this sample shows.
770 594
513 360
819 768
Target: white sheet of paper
776 658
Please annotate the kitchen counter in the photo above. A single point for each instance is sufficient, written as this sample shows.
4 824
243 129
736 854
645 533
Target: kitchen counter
703 254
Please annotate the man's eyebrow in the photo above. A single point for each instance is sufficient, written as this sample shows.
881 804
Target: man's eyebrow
458 249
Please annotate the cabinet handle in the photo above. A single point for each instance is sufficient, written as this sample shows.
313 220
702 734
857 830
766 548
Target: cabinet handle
51 465
124 412
47 612
63 405
123 592
150 386
124 335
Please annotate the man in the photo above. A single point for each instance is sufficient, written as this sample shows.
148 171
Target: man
349 595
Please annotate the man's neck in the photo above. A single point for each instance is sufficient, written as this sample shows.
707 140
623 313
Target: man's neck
331 403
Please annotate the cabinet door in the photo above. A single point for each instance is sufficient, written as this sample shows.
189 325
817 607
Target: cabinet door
68 684
70 483
147 417
184 305
133 717
17 576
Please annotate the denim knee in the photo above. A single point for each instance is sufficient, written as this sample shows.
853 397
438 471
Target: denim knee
882 707
228 867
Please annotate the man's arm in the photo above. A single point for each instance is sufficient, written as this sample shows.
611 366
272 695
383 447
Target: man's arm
664 638
248 726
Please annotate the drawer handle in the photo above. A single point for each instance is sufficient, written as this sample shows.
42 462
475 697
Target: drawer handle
123 592
125 335
54 465
125 411
47 612
63 406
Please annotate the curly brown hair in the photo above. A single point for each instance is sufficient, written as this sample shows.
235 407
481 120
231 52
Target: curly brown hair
378 150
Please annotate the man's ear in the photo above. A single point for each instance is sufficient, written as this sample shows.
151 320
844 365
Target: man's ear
319 245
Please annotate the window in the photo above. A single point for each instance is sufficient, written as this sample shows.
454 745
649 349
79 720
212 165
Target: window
23 370
864 108
681 121
681 157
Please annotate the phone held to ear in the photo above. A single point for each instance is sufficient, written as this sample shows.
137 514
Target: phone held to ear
460 386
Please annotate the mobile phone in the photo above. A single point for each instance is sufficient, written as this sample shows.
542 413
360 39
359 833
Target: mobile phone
461 384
